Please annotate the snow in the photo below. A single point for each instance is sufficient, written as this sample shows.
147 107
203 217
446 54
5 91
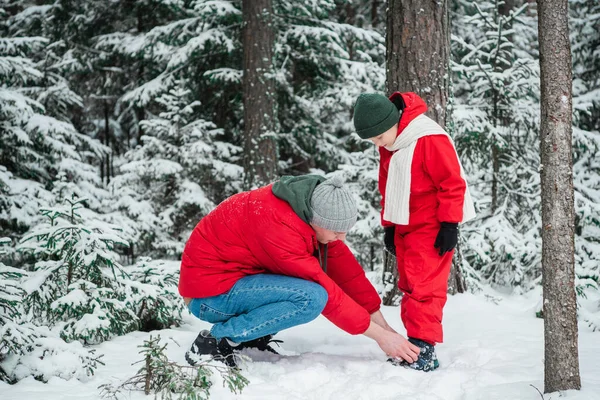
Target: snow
197 44
221 8
493 350
145 93
75 297
63 362
225 75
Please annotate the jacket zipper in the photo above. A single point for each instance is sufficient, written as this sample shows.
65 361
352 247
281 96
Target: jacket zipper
322 260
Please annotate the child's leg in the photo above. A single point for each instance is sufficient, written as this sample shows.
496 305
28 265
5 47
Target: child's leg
423 277
259 305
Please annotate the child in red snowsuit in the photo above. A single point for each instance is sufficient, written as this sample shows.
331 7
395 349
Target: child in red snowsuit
424 198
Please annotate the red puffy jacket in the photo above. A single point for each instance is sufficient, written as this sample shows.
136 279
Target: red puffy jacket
255 232
436 187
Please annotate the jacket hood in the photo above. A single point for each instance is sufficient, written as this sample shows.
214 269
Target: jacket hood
413 107
297 192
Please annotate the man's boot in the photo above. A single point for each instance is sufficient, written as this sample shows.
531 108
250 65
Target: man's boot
206 344
261 343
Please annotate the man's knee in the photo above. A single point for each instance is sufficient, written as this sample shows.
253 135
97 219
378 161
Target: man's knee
315 299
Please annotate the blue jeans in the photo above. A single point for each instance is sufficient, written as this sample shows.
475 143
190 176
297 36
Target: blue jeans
260 305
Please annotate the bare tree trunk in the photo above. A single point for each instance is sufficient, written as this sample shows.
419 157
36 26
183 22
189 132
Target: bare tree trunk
498 116
391 292
418 52
107 140
375 13
456 280
558 248
351 20
260 151
495 155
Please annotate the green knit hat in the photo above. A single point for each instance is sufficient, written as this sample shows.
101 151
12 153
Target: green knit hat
374 114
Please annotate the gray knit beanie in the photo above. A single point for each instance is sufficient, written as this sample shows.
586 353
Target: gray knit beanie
333 206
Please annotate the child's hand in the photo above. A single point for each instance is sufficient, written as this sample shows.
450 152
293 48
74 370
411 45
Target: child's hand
388 239
447 237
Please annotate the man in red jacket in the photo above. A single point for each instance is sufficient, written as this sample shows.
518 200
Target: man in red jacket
272 258
424 197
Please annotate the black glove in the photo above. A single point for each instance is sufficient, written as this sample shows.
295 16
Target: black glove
388 239
447 237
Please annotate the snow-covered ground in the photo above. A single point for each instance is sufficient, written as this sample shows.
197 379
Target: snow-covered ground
491 352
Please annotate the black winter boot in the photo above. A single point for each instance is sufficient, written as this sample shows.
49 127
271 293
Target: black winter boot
261 343
427 360
206 344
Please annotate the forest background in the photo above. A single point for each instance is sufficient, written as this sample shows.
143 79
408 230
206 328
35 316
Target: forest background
122 124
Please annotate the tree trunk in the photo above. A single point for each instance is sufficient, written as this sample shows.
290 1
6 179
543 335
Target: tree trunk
260 151
107 140
418 52
418 57
391 293
498 115
456 280
375 13
561 370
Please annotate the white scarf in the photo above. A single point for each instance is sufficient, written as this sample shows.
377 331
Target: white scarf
397 189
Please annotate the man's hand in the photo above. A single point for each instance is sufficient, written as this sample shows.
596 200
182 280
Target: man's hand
393 344
447 237
397 346
388 239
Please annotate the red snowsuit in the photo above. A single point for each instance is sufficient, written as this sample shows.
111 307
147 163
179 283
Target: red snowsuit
436 195
256 232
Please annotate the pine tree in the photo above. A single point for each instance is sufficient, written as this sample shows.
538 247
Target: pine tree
40 144
154 294
324 61
585 39
503 247
177 71
119 66
50 356
76 284
169 380
323 66
360 171
163 181
16 336
27 349
496 134
181 41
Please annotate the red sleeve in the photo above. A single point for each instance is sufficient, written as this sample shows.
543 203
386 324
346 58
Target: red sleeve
384 163
345 270
288 258
441 163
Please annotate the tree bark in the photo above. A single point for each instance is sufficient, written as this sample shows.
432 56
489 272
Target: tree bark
375 13
391 293
260 151
418 52
456 280
106 141
498 115
561 370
